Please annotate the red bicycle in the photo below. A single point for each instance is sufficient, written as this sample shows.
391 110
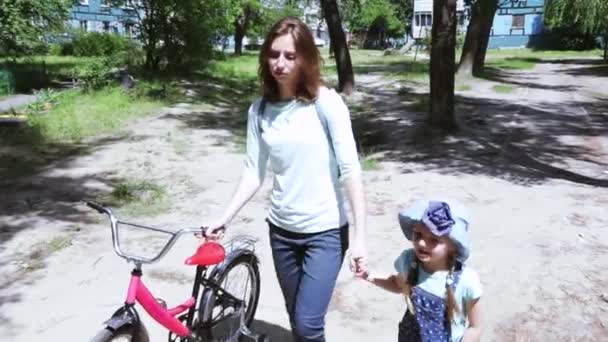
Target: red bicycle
223 313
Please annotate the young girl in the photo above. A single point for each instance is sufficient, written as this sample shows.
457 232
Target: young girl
441 293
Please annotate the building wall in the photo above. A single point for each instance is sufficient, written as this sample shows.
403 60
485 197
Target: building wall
506 30
423 17
94 15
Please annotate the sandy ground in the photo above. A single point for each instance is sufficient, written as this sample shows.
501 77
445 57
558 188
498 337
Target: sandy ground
532 166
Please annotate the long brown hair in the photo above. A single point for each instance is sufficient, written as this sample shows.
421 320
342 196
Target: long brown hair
308 57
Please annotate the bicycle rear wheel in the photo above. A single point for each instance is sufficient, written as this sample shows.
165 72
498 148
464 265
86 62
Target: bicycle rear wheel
241 279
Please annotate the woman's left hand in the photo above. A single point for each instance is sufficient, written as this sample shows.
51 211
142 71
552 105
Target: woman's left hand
358 258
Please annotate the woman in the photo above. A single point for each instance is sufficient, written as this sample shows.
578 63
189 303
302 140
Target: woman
303 130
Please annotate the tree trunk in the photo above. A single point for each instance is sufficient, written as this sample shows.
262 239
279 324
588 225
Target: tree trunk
238 40
477 38
346 77
606 47
443 51
484 40
241 25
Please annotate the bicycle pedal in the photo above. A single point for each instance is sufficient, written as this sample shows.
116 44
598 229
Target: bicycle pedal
161 302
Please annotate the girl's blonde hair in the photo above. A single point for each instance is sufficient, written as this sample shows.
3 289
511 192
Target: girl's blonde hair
412 279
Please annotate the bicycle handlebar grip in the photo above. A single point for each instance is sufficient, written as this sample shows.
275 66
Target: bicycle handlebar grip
96 206
204 230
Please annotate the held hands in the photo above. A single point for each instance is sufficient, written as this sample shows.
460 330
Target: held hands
358 259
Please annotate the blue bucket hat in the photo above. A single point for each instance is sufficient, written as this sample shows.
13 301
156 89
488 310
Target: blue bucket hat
442 217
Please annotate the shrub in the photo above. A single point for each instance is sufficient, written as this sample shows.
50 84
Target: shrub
97 44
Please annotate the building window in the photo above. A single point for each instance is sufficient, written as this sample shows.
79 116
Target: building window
84 25
519 21
429 20
106 26
519 3
423 20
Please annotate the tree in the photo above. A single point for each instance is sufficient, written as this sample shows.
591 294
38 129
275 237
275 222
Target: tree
376 20
346 76
443 50
248 13
177 34
24 22
589 15
476 41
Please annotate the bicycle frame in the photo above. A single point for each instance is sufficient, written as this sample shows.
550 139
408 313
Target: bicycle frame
137 291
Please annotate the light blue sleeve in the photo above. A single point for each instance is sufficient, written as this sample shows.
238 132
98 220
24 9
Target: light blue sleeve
403 261
257 151
471 285
338 121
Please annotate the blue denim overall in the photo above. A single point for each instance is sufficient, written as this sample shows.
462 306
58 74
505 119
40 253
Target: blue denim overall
430 323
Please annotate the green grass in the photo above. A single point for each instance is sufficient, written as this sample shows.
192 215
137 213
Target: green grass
542 54
77 115
139 197
59 122
463 87
369 163
513 63
236 67
503 88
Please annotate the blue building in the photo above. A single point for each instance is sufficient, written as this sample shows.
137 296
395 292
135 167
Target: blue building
517 23
98 16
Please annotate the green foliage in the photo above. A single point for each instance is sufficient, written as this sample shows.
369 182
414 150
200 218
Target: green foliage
96 74
98 44
270 15
178 35
377 20
589 15
73 115
24 22
7 82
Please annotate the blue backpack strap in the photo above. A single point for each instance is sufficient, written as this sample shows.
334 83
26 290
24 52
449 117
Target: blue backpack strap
323 119
260 114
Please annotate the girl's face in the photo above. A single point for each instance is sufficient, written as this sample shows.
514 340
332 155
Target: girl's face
431 250
283 60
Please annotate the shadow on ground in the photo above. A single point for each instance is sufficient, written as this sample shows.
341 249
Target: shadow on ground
519 143
273 331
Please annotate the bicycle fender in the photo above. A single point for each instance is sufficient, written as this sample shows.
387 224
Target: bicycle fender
231 256
127 316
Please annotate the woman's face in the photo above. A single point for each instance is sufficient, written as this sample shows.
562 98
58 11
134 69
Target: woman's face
283 61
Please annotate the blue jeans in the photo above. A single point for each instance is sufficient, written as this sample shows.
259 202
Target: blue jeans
307 266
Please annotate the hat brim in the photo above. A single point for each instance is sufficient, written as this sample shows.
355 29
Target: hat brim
458 234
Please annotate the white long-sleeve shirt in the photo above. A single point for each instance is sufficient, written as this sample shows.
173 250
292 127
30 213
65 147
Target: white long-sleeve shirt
306 194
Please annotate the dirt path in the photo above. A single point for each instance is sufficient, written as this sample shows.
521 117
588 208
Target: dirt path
531 166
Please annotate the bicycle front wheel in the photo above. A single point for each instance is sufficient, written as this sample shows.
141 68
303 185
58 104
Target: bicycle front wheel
124 334
239 278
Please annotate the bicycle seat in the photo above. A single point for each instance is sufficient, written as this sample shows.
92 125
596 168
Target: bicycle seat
207 254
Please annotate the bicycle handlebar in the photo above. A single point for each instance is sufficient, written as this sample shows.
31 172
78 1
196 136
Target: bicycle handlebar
96 206
136 259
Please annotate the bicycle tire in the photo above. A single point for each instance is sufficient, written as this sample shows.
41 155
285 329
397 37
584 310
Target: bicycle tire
207 301
109 335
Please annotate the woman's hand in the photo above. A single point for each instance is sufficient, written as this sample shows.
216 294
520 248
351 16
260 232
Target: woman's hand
214 230
358 258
